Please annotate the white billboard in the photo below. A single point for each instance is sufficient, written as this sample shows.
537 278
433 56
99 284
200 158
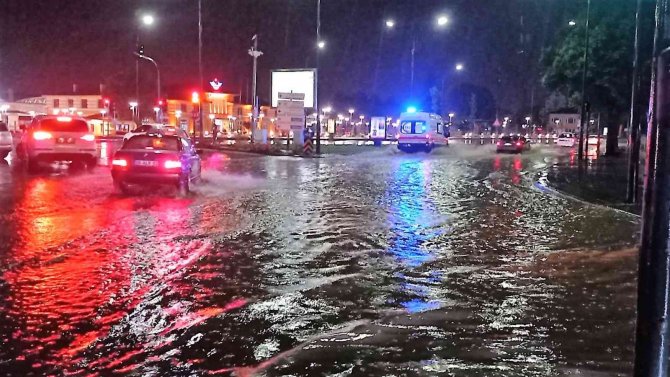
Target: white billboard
296 81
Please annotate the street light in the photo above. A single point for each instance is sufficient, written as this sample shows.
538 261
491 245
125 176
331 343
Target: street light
148 19
442 20
390 24
327 109
158 76
572 23
321 45
451 116
459 67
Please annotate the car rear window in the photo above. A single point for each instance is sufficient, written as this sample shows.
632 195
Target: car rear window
506 138
144 128
3 127
150 142
63 124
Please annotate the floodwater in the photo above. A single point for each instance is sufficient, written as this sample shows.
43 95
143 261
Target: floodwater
375 264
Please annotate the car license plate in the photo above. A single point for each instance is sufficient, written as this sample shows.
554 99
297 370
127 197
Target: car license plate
146 163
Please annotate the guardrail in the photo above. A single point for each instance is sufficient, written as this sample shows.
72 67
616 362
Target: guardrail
478 140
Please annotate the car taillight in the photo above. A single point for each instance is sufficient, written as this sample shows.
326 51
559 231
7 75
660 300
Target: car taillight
119 162
41 135
518 144
499 142
88 137
171 164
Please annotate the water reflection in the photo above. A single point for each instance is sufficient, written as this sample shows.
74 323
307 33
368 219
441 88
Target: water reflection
412 222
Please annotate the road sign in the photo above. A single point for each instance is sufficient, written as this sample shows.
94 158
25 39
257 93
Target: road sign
291 111
292 96
307 147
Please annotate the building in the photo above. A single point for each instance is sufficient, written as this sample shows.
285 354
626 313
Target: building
565 121
219 109
22 111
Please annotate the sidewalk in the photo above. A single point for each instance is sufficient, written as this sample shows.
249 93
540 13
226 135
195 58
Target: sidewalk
602 181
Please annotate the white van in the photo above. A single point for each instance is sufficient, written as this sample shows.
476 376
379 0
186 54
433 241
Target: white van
421 131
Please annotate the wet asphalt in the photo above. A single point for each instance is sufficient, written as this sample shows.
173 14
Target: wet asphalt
456 263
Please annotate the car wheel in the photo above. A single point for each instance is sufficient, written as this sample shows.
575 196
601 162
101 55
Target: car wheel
77 166
121 187
183 187
92 163
33 166
198 178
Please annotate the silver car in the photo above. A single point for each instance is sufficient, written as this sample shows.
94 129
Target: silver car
6 141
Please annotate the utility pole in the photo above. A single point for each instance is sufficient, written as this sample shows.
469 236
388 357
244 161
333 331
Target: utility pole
651 336
316 95
584 112
200 83
634 121
253 51
137 77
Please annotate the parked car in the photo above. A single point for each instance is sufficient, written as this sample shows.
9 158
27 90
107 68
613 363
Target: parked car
50 138
156 159
512 144
6 141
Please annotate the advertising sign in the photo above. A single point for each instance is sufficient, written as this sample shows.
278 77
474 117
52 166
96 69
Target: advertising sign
378 127
293 81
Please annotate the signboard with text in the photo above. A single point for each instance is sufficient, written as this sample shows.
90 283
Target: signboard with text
291 111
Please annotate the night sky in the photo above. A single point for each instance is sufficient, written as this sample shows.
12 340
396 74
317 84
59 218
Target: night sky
46 46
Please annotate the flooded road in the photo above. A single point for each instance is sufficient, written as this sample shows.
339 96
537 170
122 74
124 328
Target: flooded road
374 264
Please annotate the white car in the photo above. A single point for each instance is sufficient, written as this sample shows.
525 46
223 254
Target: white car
143 129
566 140
6 141
57 138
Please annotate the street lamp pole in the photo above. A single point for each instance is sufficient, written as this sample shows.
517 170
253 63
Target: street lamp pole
634 121
584 111
411 80
253 51
158 75
316 95
651 337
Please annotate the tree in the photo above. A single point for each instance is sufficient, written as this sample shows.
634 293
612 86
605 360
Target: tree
608 82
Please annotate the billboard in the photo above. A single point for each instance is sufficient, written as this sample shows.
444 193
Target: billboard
293 80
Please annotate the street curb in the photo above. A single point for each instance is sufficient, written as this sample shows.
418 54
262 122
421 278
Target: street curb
548 189
258 153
